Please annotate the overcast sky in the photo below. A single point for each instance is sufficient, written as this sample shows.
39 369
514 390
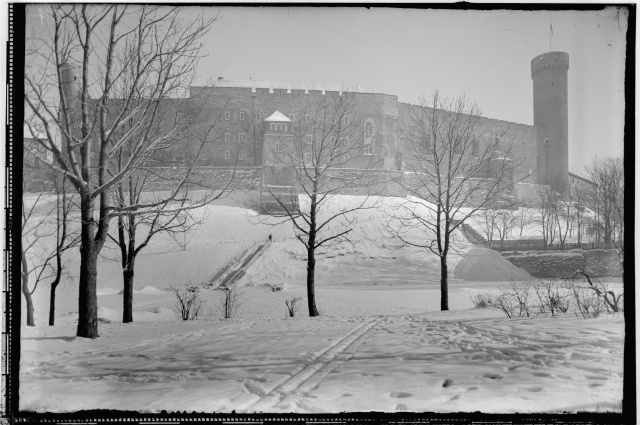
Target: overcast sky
407 52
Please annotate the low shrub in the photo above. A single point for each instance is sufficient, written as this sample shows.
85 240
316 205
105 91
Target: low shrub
229 303
484 300
292 305
188 302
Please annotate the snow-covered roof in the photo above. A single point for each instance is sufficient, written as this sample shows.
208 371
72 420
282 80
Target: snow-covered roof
277 116
271 85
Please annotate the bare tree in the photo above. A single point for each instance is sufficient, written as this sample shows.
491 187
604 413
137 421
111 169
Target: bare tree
66 238
327 153
525 215
488 220
578 196
453 175
99 59
608 198
147 183
506 222
46 235
546 202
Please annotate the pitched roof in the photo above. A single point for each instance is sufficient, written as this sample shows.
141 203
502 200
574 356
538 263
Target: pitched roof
277 116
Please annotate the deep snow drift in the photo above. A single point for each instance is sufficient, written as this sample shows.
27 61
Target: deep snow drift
381 344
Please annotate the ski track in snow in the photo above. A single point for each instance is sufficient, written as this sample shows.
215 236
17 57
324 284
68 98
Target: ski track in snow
415 362
315 368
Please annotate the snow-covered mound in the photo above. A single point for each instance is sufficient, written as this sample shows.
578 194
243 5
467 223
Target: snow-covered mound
146 290
484 264
109 315
107 291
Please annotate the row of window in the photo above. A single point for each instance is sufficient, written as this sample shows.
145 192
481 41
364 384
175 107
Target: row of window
342 142
243 116
242 137
292 117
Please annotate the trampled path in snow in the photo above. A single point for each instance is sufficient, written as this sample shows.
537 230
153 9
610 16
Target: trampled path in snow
470 360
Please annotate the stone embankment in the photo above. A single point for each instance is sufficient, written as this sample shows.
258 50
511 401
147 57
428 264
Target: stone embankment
552 264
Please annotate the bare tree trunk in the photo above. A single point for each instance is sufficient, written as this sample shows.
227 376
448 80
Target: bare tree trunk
127 298
25 289
444 288
27 297
88 300
52 306
311 259
311 267
52 297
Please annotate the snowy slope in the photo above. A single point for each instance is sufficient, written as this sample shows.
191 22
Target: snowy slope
380 344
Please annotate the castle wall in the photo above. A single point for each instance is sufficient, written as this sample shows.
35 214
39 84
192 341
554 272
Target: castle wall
216 102
513 140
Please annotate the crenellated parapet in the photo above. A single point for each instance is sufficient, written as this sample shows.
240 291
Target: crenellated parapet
548 61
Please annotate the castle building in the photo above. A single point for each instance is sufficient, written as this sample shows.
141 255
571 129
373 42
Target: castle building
249 115
542 148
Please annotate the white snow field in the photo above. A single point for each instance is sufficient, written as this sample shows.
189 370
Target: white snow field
381 343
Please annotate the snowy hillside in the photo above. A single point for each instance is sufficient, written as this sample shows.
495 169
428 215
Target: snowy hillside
381 342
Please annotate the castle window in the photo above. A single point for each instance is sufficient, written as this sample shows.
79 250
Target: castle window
227 137
475 148
242 137
345 120
241 115
307 157
530 171
227 154
368 146
273 126
278 146
345 142
368 128
308 139
227 115
307 118
257 116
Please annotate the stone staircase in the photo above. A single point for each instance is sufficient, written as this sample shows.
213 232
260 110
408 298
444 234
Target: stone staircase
470 233
234 270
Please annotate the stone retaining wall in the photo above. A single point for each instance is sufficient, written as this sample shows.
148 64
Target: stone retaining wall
545 264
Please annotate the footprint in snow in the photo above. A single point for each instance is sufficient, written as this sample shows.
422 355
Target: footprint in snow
492 376
400 394
542 374
472 389
401 407
604 378
447 383
534 389
595 384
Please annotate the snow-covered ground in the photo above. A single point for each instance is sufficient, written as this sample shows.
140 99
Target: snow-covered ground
381 343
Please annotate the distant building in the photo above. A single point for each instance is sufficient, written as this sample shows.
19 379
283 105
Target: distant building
250 114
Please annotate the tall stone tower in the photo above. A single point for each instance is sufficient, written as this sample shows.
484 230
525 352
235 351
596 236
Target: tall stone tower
550 116
70 83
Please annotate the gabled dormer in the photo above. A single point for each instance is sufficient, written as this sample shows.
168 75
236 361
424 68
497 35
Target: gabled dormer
278 123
